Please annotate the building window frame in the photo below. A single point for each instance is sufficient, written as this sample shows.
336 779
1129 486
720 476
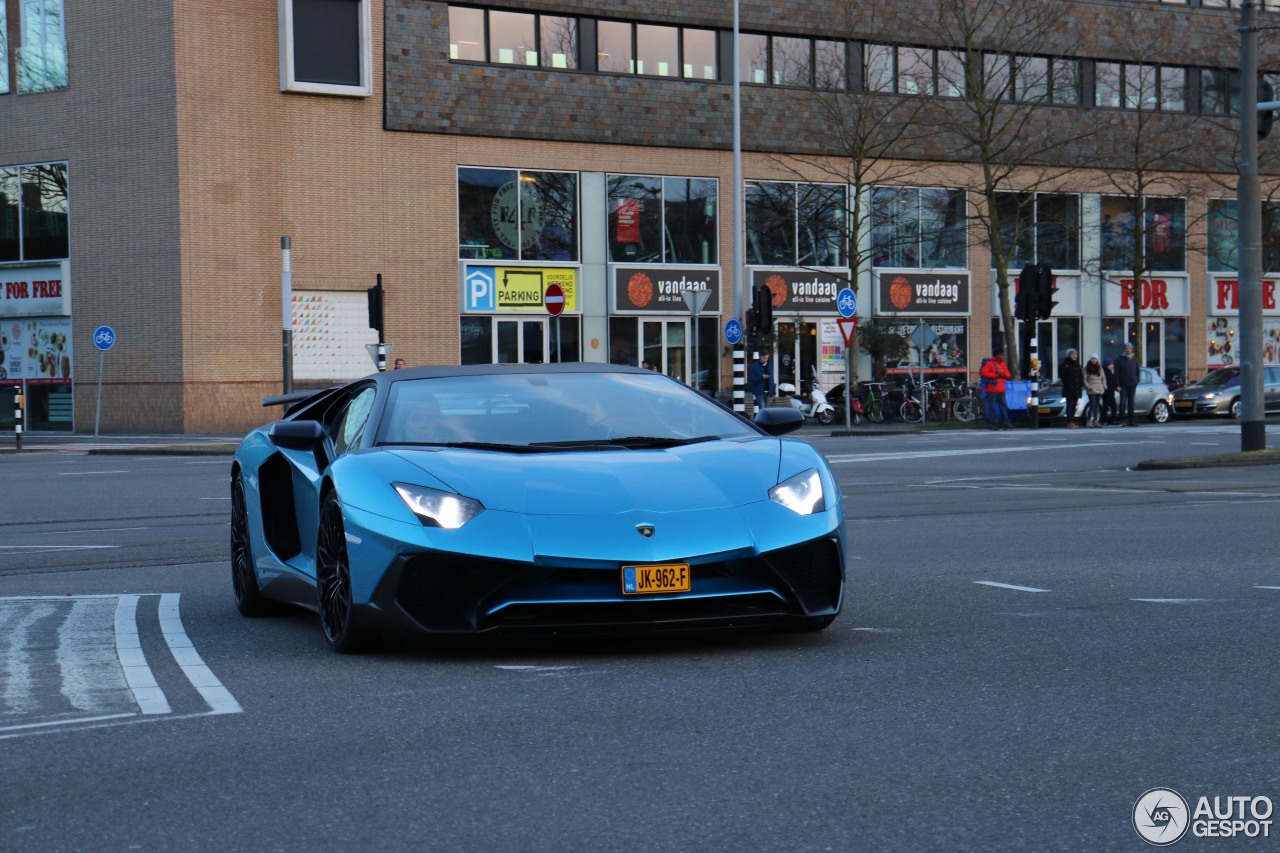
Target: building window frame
18 219
289 81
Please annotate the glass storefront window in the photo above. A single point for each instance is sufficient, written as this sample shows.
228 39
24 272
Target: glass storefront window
914 227
635 219
1017 232
506 215
821 225
1164 234
689 215
753 58
33 212
1223 253
466 34
657 50
623 344
44 212
10 233
770 225
699 54
791 62
511 38
895 233
477 340
613 47
1058 230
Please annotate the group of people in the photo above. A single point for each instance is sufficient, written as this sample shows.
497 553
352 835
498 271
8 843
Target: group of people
1100 380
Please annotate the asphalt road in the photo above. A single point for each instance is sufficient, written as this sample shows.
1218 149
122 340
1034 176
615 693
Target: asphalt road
1034 635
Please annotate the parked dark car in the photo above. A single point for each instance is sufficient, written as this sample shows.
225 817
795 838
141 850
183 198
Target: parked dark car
1218 393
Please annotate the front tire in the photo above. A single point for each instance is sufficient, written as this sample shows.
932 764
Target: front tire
1235 408
249 598
333 581
826 417
966 410
1160 412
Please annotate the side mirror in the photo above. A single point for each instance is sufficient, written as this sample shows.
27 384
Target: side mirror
779 421
296 435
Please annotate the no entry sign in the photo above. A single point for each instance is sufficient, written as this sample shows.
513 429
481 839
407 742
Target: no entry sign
554 298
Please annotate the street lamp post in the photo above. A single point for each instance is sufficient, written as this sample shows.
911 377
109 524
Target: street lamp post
739 349
1253 426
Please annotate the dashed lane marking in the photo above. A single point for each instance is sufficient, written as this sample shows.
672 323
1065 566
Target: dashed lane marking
1012 586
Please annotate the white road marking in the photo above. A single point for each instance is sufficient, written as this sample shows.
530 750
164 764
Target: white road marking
18 696
87 473
193 666
1170 600
54 547
87 530
216 499
91 676
141 680
518 668
1267 587
1207 443
1012 586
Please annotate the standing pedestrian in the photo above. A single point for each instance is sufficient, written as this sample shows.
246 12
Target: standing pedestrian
1128 375
1109 398
1095 382
996 372
986 392
761 379
1072 385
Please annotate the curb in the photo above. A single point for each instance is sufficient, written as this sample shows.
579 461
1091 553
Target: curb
1243 459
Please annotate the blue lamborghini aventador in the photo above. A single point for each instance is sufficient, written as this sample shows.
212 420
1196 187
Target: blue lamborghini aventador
532 498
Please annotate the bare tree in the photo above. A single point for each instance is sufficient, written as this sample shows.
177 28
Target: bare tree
1147 166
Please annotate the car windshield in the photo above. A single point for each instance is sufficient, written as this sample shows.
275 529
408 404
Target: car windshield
1221 376
549 410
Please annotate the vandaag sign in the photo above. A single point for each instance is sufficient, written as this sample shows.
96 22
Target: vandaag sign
640 289
923 293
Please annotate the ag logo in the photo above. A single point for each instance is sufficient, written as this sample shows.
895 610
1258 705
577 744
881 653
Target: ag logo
645 530
1161 817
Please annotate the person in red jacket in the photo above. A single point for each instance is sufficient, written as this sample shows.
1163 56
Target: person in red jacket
993 374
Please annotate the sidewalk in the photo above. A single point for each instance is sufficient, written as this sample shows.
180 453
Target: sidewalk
171 445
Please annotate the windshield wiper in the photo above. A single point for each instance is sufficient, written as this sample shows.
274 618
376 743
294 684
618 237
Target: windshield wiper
630 441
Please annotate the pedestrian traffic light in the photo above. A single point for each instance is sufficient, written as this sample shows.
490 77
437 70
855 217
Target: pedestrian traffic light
1024 302
763 304
1044 287
375 307
753 322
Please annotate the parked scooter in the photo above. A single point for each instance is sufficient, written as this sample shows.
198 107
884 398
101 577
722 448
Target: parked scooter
818 407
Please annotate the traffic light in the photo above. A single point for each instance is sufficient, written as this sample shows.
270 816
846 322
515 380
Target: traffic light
375 307
753 322
1025 302
762 302
1044 287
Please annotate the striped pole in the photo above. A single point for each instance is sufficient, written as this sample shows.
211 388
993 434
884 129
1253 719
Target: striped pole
1033 402
17 415
740 381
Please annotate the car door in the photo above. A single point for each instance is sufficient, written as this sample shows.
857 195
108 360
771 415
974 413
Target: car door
1271 389
1148 387
343 419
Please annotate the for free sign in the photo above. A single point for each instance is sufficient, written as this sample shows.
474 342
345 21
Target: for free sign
1224 297
1167 296
35 292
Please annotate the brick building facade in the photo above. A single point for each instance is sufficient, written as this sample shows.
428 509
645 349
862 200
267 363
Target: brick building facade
189 153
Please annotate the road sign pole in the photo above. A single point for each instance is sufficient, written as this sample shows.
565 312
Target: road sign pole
102 354
1033 401
286 300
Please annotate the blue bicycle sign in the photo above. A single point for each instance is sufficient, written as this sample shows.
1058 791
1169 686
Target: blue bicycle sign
104 338
847 302
733 330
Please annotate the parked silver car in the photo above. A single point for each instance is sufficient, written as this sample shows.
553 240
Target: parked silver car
1218 393
1152 399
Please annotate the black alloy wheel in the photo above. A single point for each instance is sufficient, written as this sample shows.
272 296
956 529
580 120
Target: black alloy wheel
333 579
249 598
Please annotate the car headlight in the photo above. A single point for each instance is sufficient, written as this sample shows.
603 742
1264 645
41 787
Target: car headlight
801 493
435 508
1209 396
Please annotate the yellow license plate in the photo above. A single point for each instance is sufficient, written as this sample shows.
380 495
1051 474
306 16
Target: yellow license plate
646 580
1184 404
1044 410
